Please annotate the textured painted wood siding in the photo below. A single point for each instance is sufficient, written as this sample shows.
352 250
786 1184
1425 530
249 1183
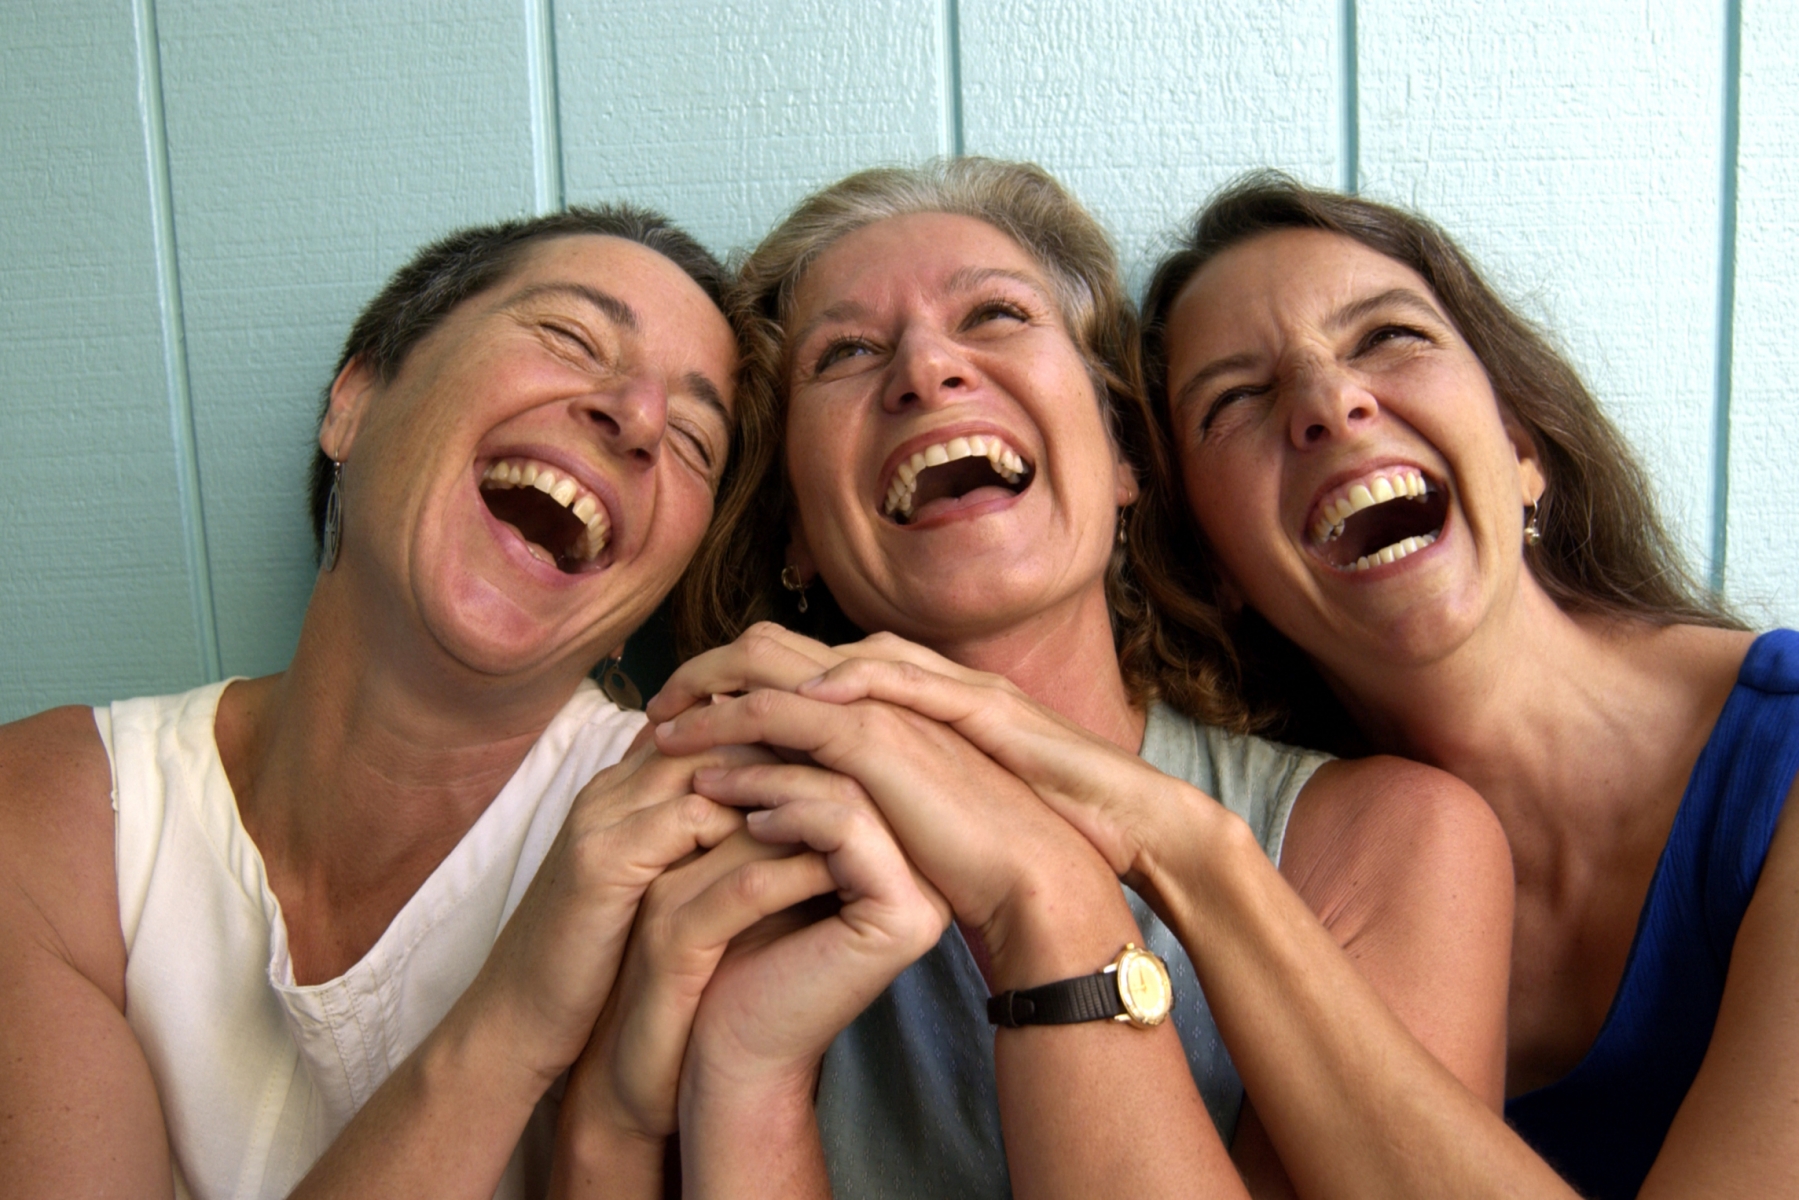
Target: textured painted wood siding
199 194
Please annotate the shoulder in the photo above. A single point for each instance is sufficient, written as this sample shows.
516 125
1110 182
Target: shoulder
57 883
1397 827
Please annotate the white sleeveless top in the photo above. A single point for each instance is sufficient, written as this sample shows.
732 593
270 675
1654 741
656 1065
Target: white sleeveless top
256 1075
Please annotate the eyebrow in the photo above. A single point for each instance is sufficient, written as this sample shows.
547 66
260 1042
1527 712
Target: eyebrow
1342 318
1399 297
972 277
616 310
964 279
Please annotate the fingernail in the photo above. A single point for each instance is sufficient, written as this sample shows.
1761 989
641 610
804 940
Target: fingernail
757 816
708 774
810 683
666 729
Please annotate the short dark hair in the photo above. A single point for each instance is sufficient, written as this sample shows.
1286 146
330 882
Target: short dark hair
441 276
1603 550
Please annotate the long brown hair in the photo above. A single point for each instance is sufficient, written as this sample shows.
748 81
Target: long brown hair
735 578
1603 547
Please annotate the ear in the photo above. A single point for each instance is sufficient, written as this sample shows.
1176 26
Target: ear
799 553
1532 483
351 393
1125 478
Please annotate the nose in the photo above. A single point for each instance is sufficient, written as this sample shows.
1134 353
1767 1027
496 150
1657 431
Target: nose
632 418
928 369
1328 402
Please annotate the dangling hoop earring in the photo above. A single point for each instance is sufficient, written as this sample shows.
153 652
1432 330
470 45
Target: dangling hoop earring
790 579
1532 534
619 687
333 535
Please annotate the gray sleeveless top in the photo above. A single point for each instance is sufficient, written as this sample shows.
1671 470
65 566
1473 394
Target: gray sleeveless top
908 1106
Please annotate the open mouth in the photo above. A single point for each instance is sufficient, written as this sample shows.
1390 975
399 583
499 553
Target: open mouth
1379 518
561 522
954 473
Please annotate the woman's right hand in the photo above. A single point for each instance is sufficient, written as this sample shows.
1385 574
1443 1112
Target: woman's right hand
786 987
553 966
619 1106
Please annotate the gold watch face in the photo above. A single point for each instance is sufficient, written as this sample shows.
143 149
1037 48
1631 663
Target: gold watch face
1144 987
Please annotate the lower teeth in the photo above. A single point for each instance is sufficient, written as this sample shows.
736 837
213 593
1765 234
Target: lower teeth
1393 553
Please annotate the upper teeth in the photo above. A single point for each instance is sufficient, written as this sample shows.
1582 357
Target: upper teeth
1005 462
524 472
1366 494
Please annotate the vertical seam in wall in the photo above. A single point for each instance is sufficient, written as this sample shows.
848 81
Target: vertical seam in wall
546 107
1349 100
1727 289
952 79
174 338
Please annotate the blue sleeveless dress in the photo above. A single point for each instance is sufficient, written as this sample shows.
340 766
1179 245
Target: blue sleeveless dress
1602 1124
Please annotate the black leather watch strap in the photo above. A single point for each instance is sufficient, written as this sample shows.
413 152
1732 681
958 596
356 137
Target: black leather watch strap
1064 1002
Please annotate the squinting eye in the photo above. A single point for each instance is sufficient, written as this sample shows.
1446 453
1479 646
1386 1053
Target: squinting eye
1389 333
839 350
996 310
1223 401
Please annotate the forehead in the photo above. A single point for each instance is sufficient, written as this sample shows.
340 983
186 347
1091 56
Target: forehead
918 252
1289 275
657 292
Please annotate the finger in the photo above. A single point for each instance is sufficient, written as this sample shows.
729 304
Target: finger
775 718
636 850
931 693
647 779
685 880
775 785
890 647
832 814
747 894
766 655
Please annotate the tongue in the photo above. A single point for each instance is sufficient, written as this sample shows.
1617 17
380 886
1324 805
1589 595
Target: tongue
948 504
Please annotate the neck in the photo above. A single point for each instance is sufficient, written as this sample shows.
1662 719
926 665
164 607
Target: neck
1065 660
362 765
1573 728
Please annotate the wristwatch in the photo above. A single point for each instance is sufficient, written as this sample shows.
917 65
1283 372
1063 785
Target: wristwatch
1133 988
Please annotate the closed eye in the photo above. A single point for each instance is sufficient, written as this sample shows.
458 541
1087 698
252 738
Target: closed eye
692 445
571 340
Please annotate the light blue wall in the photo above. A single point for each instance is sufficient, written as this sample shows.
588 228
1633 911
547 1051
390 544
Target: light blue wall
196 196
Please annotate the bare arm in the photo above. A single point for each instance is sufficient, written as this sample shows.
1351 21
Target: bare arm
1352 1099
78 1108
1408 871
79 1113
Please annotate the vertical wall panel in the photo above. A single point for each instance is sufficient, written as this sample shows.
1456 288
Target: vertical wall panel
1143 108
1575 150
94 598
725 114
313 145
1762 569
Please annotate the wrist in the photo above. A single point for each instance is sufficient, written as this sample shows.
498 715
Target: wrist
1192 874
1060 920
591 1149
